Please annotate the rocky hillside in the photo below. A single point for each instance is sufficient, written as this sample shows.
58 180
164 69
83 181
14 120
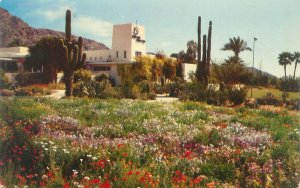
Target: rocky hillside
15 30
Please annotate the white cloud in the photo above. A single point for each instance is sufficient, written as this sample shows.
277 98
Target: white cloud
53 14
92 26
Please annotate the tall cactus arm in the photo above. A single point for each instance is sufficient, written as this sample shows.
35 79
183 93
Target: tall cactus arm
68 25
79 48
204 53
82 61
208 49
199 39
75 57
63 55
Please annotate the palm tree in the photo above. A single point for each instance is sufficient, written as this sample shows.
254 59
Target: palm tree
296 57
285 58
236 45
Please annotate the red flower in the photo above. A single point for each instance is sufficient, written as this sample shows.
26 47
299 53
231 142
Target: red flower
198 179
129 173
105 184
210 185
95 181
187 155
66 185
120 145
42 184
1 163
100 163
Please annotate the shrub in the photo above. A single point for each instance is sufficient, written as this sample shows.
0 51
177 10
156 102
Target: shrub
269 99
194 91
96 89
131 92
82 75
4 82
32 91
197 92
101 77
237 95
56 86
23 78
290 84
23 92
145 86
158 88
6 92
294 104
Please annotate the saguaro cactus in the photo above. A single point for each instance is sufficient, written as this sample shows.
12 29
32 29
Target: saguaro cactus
208 49
199 70
71 55
203 66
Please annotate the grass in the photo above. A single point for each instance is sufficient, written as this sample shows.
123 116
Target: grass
261 92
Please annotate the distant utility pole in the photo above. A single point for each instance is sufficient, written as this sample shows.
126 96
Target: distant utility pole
255 39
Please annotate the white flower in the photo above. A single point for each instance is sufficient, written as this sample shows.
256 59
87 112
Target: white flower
94 158
89 156
86 178
81 160
45 177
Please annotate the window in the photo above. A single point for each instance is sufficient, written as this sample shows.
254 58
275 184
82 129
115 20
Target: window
117 54
91 58
101 68
109 58
138 54
125 54
95 58
100 58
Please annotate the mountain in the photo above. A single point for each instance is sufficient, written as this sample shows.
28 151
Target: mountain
257 72
13 29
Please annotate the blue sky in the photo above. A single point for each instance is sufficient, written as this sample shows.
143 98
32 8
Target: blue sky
170 24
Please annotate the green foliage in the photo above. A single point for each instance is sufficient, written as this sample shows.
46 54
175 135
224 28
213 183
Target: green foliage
284 59
22 109
290 84
4 82
44 54
237 95
237 45
101 77
23 78
269 99
231 72
222 170
82 75
95 89
32 91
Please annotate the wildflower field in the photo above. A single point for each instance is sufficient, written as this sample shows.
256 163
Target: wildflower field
130 143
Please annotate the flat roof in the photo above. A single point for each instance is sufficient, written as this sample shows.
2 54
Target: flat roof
109 63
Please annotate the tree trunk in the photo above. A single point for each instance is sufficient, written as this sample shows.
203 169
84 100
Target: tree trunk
284 73
68 78
285 85
296 62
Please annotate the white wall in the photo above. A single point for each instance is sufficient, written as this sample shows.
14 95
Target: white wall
14 52
121 41
187 69
98 55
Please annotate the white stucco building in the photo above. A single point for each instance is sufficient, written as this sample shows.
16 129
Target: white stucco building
128 42
12 58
